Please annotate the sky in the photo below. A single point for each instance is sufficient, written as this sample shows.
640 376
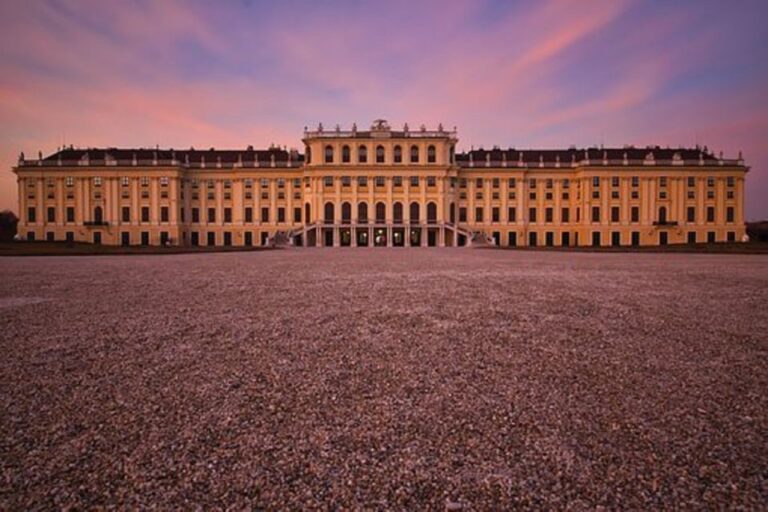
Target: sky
522 74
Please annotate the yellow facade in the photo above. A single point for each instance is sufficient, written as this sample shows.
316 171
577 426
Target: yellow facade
383 187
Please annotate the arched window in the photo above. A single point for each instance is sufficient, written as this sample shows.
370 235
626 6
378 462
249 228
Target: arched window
307 211
329 213
398 155
362 154
663 215
362 213
431 155
453 213
345 158
329 154
415 212
431 213
379 154
397 212
414 154
98 214
346 213
381 213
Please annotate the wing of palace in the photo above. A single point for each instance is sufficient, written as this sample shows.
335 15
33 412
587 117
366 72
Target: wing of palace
382 187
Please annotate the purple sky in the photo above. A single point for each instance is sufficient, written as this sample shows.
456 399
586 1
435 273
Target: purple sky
521 74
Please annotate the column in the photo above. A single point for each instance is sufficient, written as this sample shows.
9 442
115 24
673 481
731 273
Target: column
154 200
218 187
40 202
237 201
60 201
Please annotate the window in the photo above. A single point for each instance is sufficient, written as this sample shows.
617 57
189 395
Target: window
126 214
615 214
431 181
596 182
595 194
431 155
635 214
511 182
635 181
297 215
595 214
329 154
51 214
710 181
249 214
462 214
195 215
729 214
362 181
691 181
710 214
164 181
414 154
414 181
496 182
495 215
730 181
227 215
379 181
280 183
144 181
479 214
97 181
69 181
548 215
328 181
663 215
125 181
566 215
345 154
381 211
397 181
346 181
265 214
614 181
362 154
512 214
531 214
145 214
532 183
663 181
211 214
549 183
398 155
70 214
379 154
281 215
691 214
264 183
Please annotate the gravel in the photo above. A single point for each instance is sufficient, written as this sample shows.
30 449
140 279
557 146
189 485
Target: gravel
384 379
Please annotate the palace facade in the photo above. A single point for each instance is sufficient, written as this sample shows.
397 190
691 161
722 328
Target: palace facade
382 187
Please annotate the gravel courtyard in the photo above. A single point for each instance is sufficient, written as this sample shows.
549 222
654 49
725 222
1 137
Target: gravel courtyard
384 379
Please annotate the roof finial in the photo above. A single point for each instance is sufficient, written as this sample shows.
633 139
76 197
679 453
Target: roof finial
21 158
320 127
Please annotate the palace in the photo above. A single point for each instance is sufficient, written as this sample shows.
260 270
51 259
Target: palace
382 187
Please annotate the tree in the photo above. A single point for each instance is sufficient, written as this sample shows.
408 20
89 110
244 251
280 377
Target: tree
8 222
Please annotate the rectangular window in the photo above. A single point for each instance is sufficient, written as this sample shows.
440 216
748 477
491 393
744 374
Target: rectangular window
265 215
729 214
126 214
511 182
211 214
31 214
512 214
496 182
531 214
70 214
691 237
691 214
495 214
596 182
362 181
297 215
463 214
431 181
264 182
548 215
710 181
479 214
380 181
730 181
397 181
346 181
691 181
614 181
532 183
615 214
69 181
663 181
595 214
566 215
635 214
281 215
145 214
550 183
249 214
51 214
97 181
164 216
710 214
635 181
